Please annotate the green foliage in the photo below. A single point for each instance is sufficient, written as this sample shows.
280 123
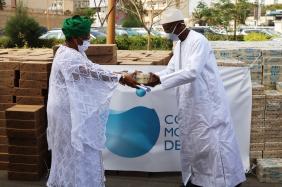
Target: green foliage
88 12
219 37
138 43
243 10
49 43
256 37
123 43
202 14
5 42
101 40
161 43
22 29
131 21
222 12
272 7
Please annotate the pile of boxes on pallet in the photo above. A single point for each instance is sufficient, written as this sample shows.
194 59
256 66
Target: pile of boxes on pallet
257 122
273 124
250 56
27 149
9 72
23 83
272 68
104 54
144 57
266 126
23 127
269 170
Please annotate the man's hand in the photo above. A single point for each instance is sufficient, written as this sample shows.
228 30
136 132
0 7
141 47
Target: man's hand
129 80
154 80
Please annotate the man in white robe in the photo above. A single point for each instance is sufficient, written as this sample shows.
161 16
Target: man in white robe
77 110
210 155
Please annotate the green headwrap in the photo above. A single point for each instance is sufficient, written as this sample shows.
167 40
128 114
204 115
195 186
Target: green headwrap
76 26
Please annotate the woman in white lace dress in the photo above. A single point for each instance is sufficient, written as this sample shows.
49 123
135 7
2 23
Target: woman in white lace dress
78 106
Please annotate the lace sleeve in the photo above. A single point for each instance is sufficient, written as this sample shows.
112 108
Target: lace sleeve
90 88
92 71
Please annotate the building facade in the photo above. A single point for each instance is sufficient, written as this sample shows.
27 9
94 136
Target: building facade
52 6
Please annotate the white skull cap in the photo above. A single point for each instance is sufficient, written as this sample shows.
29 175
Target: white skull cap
171 15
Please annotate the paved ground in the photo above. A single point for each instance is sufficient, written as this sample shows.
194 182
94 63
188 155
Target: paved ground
131 179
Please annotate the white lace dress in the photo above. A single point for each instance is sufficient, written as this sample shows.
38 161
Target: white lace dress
77 109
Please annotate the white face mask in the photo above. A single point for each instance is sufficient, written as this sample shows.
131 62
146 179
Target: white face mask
175 37
84 46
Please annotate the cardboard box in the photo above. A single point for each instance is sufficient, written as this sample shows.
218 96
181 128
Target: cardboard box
257 122
269 115
28 159
10 65
30 92
3 140
4 165
37 168
7 74
256 146
104 60
26 124
10 83
33 84
258 114
2 115
6 91
36 100
272 154
3 131
28 150
36 66
3 148
257 89
38 76
24 176
6 99
25 133
4 106
4 157
269 170
27 141
26 112
255 154
272 52
269 146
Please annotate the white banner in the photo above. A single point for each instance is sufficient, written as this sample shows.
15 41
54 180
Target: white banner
142 132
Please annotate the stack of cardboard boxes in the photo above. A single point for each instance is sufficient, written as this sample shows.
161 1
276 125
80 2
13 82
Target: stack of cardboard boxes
27 149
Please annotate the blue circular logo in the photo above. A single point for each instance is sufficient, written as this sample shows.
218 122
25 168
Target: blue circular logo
132 133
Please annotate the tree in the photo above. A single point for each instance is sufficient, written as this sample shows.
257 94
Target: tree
222 13
241 12
139 8
22 29
2 4
88 12
202 14
272 7
102 19
131 21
